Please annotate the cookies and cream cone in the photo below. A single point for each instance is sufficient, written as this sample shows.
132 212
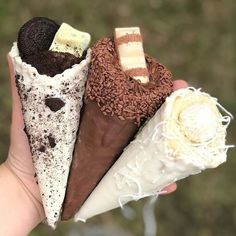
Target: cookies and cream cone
51 109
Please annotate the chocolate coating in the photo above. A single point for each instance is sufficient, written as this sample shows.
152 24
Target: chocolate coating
115 107
101 140
36 35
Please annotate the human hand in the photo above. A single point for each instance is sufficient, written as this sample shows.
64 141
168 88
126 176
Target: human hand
20 198
18 171
20 159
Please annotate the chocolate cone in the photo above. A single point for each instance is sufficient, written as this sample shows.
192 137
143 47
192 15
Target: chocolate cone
116 105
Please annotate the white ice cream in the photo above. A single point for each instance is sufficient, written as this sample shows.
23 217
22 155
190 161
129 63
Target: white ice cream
185 136
51 159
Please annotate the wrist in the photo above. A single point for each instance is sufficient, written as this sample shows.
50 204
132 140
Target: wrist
22 210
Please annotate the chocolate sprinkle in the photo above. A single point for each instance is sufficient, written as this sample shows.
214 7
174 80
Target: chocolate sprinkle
116 93
55 104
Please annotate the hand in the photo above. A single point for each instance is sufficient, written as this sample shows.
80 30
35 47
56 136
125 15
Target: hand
19 159
20 200
178 84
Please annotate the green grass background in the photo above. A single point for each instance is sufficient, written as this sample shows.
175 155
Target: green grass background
196 40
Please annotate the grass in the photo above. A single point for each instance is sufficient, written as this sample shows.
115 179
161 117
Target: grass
196 40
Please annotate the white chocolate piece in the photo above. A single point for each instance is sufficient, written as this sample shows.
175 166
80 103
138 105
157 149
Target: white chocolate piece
70 40
131 53
51 160
185 136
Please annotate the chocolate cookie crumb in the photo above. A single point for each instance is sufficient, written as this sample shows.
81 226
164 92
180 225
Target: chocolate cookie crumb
52 63
42 149
54 104
51 141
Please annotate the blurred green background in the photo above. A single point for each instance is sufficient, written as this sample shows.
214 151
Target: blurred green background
196 40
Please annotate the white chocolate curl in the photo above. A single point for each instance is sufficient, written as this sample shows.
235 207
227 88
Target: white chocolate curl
185 136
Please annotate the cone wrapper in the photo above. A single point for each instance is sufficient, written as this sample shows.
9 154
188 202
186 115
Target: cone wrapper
185 136
51 109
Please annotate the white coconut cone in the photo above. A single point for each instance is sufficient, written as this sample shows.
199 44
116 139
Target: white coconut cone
51 131
185 136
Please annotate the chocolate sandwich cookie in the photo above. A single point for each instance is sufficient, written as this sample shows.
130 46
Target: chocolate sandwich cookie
51 63
36 35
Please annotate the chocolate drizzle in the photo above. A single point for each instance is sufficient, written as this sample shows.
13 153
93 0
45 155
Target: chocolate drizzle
129 38
116 93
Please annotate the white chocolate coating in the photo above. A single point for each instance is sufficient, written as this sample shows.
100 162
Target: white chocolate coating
51 159
70 40
171 145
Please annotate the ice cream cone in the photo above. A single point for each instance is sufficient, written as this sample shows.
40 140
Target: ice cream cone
185 136
51 109
115 107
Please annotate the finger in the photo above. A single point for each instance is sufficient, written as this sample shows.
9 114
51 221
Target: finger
19 159
19 150
17 117
178 84
169 189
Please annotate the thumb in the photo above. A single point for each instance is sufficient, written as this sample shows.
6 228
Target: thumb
179 84
19 153
17 117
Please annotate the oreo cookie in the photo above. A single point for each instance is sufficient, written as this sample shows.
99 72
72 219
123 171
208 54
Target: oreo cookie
36 35
51 63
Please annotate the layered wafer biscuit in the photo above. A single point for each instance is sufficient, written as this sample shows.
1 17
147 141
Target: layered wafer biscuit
129 45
